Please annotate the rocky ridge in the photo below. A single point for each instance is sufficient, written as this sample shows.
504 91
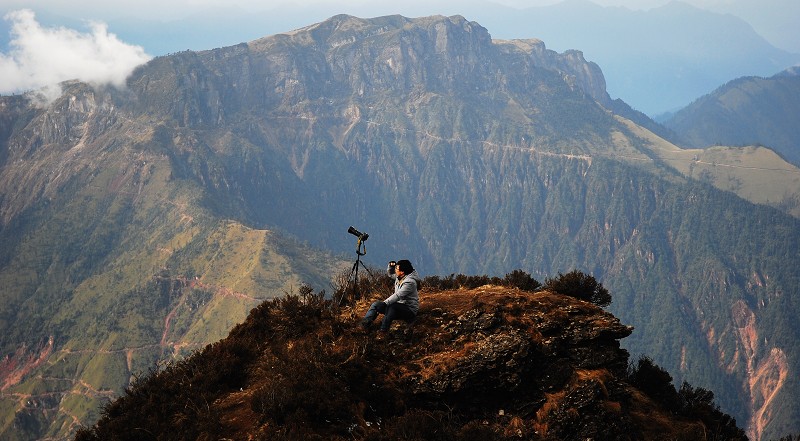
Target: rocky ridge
485 363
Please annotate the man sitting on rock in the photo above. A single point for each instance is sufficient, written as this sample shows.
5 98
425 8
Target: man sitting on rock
403 304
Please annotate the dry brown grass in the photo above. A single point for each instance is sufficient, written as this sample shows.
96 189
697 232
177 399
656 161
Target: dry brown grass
601 376
302 363
551 404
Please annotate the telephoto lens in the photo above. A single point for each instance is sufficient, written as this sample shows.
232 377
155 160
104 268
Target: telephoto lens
361 236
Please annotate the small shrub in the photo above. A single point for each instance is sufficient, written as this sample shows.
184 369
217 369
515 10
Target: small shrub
579 285
522 280
689 402
699 403
516 279
655 382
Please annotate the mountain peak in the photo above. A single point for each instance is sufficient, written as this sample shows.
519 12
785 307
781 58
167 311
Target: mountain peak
485 363
340 26
793 71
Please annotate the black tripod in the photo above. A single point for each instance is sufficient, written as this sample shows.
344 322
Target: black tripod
361 249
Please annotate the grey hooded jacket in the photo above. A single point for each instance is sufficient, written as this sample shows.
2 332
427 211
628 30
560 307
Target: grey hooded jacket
406 291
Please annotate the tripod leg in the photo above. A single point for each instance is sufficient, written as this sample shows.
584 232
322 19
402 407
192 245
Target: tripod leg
352 280
356 295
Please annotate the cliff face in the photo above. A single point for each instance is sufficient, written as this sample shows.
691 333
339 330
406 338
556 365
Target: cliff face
53 146
484 363
331 69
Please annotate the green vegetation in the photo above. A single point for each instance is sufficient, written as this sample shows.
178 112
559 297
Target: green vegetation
745 111
755 173
122 279
686 402
579 285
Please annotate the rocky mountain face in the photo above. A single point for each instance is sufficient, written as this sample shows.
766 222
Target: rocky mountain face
110 262
141 224
645 62
491 363
746 111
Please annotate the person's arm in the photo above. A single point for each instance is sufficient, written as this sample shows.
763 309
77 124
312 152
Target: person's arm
407 287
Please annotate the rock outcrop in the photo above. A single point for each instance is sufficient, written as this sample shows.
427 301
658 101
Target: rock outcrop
486 363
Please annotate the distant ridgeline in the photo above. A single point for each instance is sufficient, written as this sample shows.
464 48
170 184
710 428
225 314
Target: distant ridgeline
746 111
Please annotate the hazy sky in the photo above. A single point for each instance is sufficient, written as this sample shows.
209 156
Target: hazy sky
38 55
172 9
177 9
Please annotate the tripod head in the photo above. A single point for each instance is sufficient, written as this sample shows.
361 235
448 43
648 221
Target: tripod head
362 237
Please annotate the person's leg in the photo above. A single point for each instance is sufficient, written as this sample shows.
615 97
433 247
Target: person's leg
376 308
396 311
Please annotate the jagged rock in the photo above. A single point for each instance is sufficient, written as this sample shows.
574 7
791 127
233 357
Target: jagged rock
490 363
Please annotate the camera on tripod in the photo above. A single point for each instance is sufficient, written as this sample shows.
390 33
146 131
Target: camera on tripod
361 236
361 249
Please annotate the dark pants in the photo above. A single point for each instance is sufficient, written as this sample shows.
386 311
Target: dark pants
395 311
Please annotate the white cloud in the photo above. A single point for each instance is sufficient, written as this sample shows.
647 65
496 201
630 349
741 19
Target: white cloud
40 57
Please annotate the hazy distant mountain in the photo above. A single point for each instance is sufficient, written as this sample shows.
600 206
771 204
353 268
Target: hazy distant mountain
775 20
656 60
746 111
139 223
